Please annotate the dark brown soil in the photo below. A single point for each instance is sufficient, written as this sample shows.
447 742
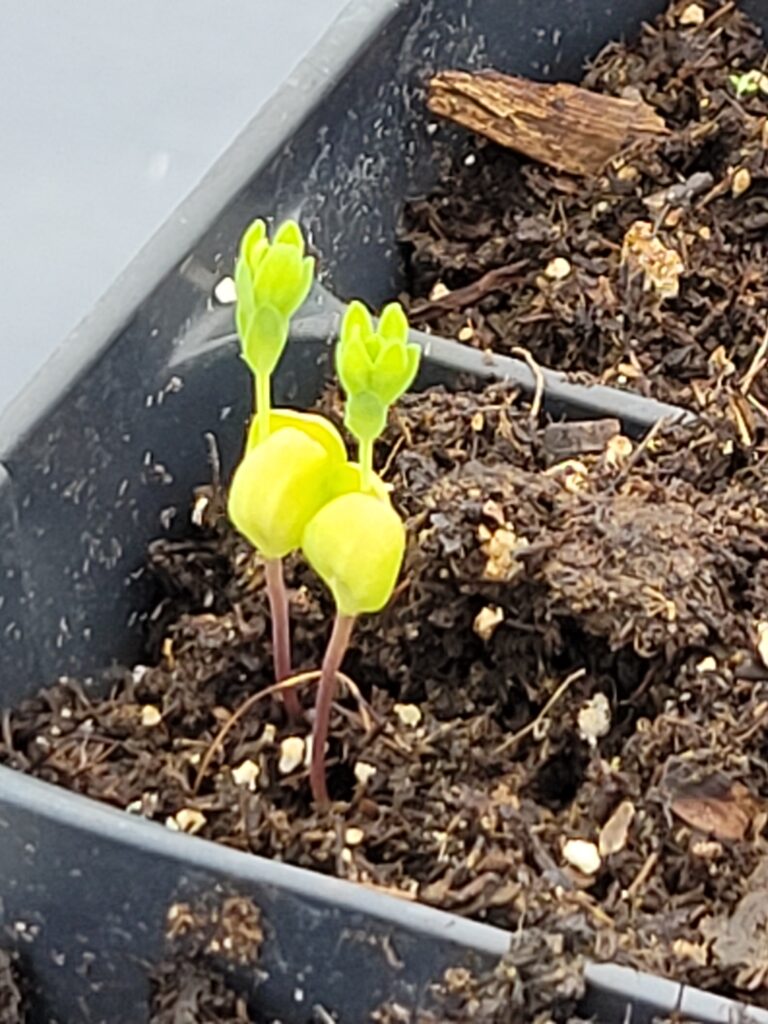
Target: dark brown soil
11 999
496 222
534 982
572 655
191 992
193 985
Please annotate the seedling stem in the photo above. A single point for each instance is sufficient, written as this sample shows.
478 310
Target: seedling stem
281 630
263 404
334 655
366 463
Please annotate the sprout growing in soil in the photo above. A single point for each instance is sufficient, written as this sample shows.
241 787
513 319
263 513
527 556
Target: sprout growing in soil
748 83
279 484
375 367
295 487
271 282
356 542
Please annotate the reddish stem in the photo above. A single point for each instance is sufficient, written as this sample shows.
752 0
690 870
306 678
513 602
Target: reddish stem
281 631
326 691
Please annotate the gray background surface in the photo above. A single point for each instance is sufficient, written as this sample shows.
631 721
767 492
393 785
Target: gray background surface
110 112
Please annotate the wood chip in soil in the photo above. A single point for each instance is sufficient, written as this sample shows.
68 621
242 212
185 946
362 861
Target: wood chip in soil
650 275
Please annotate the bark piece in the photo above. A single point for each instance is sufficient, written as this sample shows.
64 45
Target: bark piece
459 298
562 125
578 437
717 806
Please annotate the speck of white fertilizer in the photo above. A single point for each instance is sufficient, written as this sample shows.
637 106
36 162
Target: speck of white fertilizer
558 269
409 714
291 754
224 291
582 855
364 772
595 719
150 716
246 774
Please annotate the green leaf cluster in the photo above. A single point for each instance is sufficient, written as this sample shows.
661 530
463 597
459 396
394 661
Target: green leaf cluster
375 366
295 487
272 279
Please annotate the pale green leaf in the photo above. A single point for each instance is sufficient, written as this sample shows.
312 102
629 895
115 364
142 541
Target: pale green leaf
393 325
265 338
280 280
365 416
354 366
357 321
289 233
256 255
254 234
244 288
390 372
242 321
373 344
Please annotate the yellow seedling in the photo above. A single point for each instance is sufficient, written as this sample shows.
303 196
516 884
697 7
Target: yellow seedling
375 367
356 542
278 487
272 279
295 486
309 423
